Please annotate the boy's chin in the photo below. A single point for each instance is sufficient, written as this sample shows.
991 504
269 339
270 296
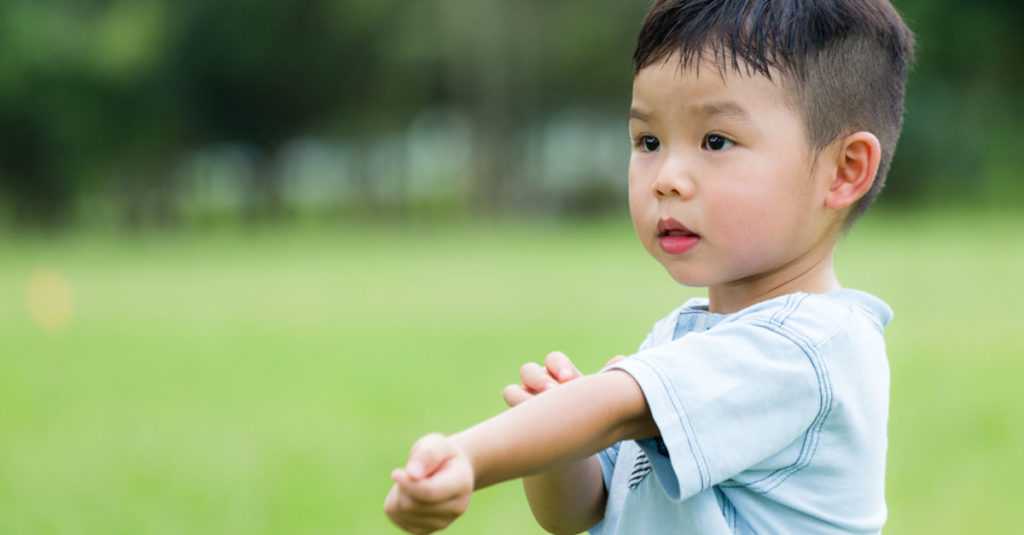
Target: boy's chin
686 278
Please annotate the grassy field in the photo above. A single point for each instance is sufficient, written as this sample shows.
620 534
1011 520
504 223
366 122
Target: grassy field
267 381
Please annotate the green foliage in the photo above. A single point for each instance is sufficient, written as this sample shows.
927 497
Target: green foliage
267 382
965 115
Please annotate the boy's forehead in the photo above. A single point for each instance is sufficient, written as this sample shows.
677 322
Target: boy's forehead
708 70
670 84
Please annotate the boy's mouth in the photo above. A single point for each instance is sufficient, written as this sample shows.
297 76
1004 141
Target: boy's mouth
674 238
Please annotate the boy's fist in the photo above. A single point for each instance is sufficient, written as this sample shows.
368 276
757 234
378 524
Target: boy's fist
434 487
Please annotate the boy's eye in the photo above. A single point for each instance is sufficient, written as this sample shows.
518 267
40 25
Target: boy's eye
716 142
649 143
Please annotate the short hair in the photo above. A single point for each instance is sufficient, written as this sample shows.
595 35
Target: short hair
844 62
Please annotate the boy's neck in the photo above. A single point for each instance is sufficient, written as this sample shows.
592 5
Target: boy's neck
811 274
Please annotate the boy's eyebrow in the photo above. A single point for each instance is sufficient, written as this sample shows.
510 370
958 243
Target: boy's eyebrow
635 113
733 109
708 109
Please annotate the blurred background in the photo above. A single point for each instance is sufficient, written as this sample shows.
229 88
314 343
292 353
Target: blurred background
251 250
155 113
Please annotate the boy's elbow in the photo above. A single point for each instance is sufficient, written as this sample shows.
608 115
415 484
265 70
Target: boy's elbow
569 517
556 527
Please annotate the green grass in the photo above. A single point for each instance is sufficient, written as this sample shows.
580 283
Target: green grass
267 382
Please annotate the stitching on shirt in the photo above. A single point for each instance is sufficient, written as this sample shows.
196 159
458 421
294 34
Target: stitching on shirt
813 434
787 309
691 436
699 461
776 323
726 507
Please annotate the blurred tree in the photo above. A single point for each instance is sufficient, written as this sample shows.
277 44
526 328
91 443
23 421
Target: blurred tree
37 88
104 96
965 104
79 98
264 71
513 64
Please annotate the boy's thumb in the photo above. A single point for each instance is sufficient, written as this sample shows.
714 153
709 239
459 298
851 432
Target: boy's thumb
615 361
426 456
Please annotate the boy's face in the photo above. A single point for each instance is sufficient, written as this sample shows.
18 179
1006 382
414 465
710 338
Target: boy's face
723 189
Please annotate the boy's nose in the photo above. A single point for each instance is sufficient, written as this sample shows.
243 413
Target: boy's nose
673 181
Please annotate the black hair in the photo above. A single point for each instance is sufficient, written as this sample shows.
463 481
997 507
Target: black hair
844 62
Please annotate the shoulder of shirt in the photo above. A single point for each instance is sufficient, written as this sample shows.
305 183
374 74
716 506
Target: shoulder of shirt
797 312
816 315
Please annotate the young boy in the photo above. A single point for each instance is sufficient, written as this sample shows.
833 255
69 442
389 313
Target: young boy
761 130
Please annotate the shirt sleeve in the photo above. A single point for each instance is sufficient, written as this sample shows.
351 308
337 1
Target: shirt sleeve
726 399
610 455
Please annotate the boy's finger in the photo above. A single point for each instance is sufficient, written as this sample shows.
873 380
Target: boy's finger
415 516
560 367
391 501
536 378
414 498
514 395
444 511
402 496
454 481
427 455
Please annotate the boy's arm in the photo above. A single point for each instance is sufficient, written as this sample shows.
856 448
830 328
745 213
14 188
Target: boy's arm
572 498
566 424
569 499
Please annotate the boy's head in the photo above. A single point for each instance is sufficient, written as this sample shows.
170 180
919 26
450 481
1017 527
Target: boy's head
843 63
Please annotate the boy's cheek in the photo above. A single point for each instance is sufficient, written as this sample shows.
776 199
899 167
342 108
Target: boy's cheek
640 207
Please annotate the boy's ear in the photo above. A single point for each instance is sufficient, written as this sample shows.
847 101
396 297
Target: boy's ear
856 166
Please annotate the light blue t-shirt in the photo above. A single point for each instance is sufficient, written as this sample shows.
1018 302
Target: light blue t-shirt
772 420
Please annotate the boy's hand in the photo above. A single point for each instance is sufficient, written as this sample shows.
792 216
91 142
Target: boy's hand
557 369
535 379
434 487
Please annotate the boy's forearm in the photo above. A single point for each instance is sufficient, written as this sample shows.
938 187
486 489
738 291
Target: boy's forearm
561 426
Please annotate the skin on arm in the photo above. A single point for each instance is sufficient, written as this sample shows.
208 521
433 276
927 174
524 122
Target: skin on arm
553 431
570 499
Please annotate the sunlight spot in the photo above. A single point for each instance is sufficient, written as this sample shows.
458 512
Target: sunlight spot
50 299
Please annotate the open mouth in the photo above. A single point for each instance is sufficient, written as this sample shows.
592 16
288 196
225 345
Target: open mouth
674 238
671 227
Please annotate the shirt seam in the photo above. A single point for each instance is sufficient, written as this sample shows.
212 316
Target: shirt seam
812 436
692 442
